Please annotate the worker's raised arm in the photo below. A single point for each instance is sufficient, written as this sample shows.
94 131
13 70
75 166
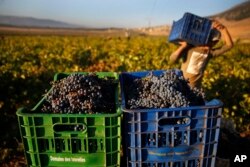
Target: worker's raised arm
177 53
226 38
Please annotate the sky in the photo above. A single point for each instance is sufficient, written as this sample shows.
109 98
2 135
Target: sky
114 13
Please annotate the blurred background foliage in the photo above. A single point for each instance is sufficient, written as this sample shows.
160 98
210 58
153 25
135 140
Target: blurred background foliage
28 64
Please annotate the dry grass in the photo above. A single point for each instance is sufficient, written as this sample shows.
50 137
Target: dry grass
238 30
6 30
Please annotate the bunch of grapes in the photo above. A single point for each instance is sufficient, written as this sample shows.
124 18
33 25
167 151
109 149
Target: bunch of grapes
82 94
170 89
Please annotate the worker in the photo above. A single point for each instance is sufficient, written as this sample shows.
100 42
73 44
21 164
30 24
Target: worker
196 58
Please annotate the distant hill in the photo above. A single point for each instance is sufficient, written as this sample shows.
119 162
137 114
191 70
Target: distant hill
237 13
237 20
33 22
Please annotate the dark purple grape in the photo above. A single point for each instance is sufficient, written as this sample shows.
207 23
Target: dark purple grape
167 90
78 93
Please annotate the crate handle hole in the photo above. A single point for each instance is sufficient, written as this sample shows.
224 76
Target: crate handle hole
70 128
177 121
197 24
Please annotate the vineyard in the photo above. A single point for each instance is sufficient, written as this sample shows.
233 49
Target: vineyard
28 64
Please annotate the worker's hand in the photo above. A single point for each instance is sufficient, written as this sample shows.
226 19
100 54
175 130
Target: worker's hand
217 25
183 44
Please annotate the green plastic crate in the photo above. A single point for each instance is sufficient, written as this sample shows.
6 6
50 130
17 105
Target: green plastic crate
52 140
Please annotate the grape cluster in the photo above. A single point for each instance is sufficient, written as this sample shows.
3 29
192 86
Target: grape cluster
170 89
82 94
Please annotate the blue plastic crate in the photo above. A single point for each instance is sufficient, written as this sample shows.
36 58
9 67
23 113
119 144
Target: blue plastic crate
166 137
193 29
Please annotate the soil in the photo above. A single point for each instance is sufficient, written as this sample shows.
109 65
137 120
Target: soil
232 144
